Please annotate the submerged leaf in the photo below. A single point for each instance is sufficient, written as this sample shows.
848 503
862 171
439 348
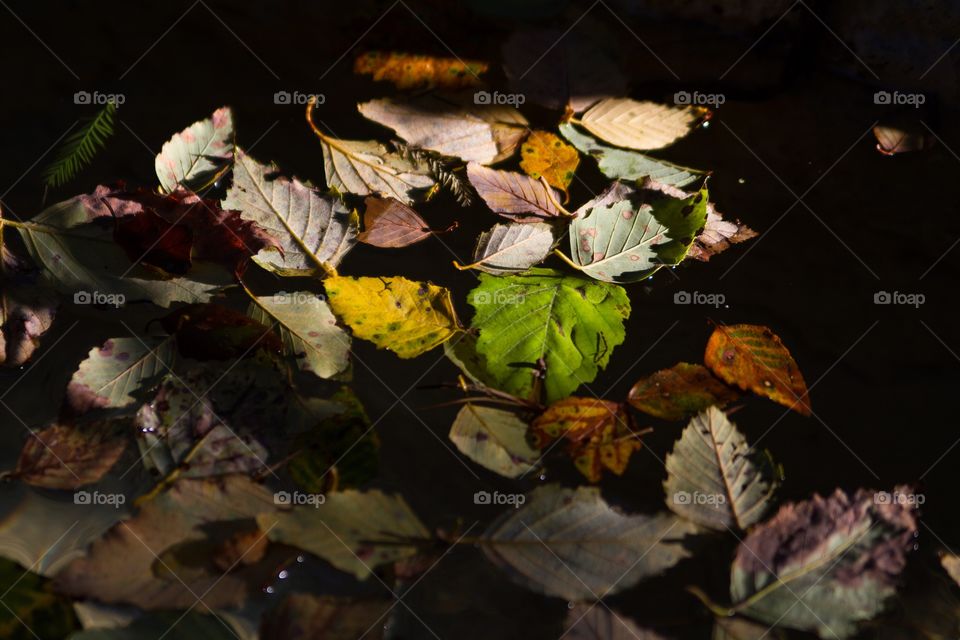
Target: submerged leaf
598 622
568 323
389 223
824 564
513 194
314 231
26 313
545 155
571 544
753 358
195 157
413 71
714 478
64 456
301 616
406 317
509 248
495 439
680 391
31 607
641 125
217 332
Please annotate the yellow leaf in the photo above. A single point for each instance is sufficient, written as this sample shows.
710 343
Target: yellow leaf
406 317
544 154
410 71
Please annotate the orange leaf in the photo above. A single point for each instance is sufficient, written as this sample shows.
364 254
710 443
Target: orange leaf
544 154
753 358
599 434
680 391
410 71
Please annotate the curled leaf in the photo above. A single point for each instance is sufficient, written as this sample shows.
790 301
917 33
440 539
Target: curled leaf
195 157
680 391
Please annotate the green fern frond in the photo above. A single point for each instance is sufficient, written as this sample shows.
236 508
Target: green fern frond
79 149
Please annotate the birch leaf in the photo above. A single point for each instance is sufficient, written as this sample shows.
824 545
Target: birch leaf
513 194
714 478
641 125
544 154
474 133
509 248
368 167
571 544
389 223
354 531
308 330
195 157
406 317
315 231
629 166
680 391
496 439
570 324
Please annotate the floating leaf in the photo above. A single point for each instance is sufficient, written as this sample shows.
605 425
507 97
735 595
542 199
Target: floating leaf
352 530
314 231
629 166
113 374
509 248
512 194
717 235
64 456
641 125
484 133
546 155
31 608
571 544
570 324
389 223
628 240
599 434
216 332
192 515
680 391
461 350
753 358
26 313
367 167
196 156
714 478
495 439
902 136
308 330
406 317
598 622
825 564
412 71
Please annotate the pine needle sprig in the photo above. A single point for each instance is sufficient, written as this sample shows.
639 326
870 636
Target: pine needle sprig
440 169
78 151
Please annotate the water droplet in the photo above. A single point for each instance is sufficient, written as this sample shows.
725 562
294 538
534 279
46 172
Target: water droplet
742 180
543 476
571 605
268 590
283 574
299 558
706 125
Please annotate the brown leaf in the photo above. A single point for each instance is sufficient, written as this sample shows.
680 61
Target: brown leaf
26 313
893 139
412 71
149 239
302 616
513 194
753 358
216 332
64 456
243 548
680 391
390 223
717 235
